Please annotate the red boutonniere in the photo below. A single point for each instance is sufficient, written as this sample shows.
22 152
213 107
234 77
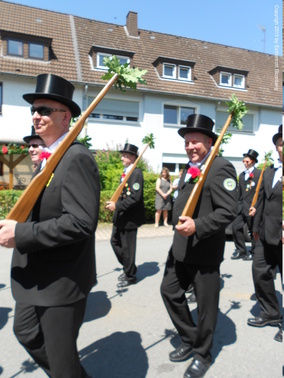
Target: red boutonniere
194 172
122 176
44 155
251 176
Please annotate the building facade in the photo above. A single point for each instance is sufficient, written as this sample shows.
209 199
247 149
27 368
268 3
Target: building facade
184 76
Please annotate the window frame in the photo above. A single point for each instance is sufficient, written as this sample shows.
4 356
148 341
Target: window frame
189 73
29 51
223 73
174 70
242 86
17 41
178 113
99 54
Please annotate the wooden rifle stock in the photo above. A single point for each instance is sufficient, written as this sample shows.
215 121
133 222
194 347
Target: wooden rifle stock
26 202
194 196
119 189
255 196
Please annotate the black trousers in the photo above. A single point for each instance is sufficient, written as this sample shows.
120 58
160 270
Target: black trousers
206 282
238 233
123 243
49 335
265 261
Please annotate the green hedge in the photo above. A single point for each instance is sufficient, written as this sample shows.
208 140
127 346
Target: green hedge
9 197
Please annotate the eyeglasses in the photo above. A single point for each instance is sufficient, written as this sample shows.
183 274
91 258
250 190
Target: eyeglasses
45 111
34 145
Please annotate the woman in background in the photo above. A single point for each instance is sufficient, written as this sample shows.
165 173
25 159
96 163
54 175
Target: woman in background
163 197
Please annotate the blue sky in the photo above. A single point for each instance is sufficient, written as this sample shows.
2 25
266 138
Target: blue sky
249 24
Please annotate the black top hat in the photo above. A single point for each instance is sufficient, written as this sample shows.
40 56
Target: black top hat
199 123
130 148
32 136
252 154
278 135
54 88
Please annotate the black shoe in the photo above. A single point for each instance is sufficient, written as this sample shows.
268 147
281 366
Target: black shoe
248 257
238 255
126 282
278 336
197 369
121 277
181 353
261 322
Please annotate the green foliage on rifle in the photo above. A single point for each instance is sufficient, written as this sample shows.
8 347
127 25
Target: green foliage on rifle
128 77
149 139
238 110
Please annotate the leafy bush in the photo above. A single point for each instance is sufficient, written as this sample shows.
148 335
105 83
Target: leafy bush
7 200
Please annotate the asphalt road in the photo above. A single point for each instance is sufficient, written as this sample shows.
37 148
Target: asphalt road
128 334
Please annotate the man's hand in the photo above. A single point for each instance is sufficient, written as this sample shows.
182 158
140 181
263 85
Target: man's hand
187 228
7 233
252 211
110 205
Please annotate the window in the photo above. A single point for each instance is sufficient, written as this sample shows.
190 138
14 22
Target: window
239 81
101 56
127 111
36 51
169 70
184 73
177 115
15 47
225 79
248 121
232 80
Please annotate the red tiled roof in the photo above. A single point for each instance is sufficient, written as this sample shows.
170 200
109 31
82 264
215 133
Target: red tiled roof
72 55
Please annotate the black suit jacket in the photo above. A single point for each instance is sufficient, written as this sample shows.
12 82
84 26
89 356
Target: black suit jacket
216 208
268 217
130 212
246 191
54 262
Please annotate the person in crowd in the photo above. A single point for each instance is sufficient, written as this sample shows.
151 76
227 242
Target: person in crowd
267 231
175 185
247 184
53 264
198 246
129 214
163 197
36 145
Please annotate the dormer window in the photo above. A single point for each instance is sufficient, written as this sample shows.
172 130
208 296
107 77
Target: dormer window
36 51
184 73
225 79
169 70
230 77
174 69
17 45
232 80
15 48
101 56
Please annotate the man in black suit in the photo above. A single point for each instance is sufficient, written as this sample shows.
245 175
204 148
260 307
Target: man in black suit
53 265
129 214
247 184
198 246
267 231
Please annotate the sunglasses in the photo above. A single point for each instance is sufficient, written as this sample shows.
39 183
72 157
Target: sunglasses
34 145
45 111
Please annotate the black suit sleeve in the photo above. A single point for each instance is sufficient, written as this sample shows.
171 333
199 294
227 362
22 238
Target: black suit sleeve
68 207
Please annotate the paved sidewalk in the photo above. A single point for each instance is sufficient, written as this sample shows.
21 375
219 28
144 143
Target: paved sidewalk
146 231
